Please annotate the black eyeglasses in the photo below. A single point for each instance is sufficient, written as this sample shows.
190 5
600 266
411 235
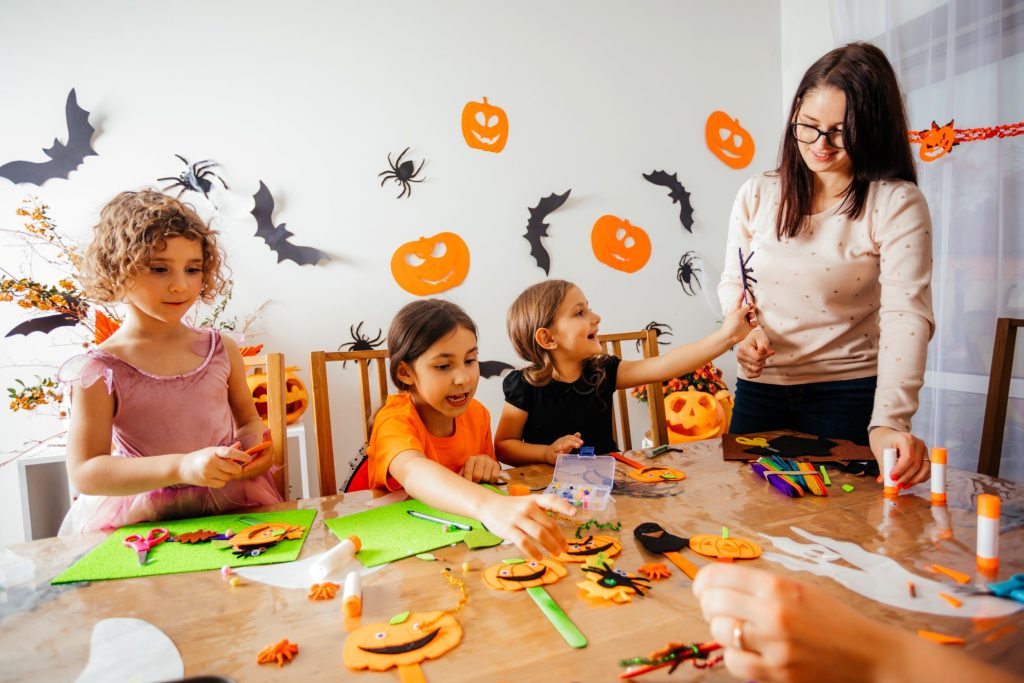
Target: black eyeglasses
809 135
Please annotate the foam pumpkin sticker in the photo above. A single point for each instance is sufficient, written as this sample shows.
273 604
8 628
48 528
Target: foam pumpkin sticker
516 575
728 140
405 641
730 548
484 126
693 415
431 265
581 550
619 244
937 142
296 397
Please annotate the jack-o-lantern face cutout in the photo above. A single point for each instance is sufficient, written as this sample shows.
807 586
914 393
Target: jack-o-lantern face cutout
581 550
431 264
296 397
620 245
937 142
381 646
693 415
484 126
729 548
728 140
656 475
515 575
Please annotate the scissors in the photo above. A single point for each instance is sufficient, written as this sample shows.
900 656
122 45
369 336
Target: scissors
1011 589
141 545
758 441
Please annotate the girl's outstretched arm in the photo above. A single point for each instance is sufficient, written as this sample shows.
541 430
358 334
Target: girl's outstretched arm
512 450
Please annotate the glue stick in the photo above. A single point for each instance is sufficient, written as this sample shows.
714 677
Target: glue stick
988 532
352 601
938 476
335 558
888 462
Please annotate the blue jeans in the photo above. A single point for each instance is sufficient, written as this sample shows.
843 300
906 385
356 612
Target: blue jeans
840 410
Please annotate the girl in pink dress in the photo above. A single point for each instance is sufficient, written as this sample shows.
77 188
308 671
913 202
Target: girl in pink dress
160 411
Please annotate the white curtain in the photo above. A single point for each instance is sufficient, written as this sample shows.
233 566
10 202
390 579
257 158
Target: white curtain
962 60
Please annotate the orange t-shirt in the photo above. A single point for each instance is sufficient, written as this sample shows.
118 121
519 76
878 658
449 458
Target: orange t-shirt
398 427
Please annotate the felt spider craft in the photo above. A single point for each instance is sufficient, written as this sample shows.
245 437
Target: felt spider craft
659 330
687 273
403 173
613 585
195 177
747 274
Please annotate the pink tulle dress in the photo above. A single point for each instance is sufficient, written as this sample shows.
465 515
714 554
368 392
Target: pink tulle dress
155 415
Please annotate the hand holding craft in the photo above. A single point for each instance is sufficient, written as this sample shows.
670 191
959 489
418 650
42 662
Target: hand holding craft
523 520
912 466
212 467
738 324
752 352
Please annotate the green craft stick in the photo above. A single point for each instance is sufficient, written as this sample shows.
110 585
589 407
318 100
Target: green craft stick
828 482
725 532
847 488
559 619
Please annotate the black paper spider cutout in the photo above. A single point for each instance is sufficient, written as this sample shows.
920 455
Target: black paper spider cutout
403 173
360 342
658 332
687 273
748 274
195 177
613 578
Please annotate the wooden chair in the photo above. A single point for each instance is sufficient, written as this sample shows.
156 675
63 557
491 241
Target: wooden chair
994 423
612 343
318 361
273 365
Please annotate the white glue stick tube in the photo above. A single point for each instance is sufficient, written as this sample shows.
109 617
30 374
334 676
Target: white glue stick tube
352 601
335 558
888 463
938 458
988 532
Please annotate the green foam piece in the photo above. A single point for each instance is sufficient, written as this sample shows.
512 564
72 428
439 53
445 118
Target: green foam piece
481 538
112 560
389 533
398 618
847 488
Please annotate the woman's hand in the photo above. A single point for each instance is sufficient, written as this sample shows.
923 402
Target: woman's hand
479 468
213 467
523 521
752 352
562 446
912 465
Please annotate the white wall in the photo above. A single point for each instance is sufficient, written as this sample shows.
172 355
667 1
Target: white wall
311 96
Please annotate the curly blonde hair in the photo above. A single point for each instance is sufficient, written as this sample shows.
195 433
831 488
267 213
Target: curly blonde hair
132 226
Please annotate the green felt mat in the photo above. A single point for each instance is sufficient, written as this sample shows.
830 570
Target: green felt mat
389 533
112 560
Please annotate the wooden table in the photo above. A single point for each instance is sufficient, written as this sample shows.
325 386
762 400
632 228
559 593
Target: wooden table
45 631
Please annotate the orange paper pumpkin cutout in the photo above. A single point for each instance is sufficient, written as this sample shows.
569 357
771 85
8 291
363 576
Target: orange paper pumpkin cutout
620 245
296 397
431 264
693 415
266 532
728 140
581 550
656 475
381 646
484 126
517 575
937 142
730 548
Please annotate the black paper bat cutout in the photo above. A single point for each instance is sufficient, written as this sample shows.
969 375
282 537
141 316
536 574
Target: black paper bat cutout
678 194
45 324
276 237
493 368
537 228
63 158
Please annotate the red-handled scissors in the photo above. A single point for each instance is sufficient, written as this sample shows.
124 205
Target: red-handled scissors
141 545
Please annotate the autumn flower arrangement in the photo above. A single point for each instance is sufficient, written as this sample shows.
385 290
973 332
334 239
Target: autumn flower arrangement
706 378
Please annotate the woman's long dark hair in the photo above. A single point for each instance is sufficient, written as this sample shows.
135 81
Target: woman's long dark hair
874 133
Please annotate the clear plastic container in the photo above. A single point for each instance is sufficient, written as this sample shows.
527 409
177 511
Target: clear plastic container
584 480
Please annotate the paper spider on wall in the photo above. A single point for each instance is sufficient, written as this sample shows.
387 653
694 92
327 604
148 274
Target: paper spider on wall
403 173
360 342
195 177
659 330
687 273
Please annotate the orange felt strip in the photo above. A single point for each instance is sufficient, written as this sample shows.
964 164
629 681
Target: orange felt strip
259 448
411 673
940 638
632 463
950 599
684 564
959 577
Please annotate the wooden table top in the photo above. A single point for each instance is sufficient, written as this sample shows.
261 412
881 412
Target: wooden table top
45 630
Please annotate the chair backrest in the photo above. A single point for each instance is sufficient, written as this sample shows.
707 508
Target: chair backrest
648 343
273 365
994 424
318 361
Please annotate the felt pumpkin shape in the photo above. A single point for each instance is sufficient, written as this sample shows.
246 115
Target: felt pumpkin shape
265 533
379 647
484 126
514 575
937 142
693 415
619 244
730 548
728 140
431 264
656 475
581 550
296 397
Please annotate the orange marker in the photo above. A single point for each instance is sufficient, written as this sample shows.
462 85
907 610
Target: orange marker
938 476
352 602
988 532
888 463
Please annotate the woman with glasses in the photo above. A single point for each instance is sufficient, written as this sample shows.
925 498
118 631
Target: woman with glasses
835 248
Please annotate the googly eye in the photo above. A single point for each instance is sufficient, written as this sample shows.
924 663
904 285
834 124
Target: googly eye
504 572
533 564
417 626
380 635
621 572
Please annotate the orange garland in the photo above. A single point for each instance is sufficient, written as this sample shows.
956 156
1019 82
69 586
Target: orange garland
323 591
281 652
1007 130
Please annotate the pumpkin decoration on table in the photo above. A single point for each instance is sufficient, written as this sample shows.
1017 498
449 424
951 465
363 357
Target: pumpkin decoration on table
728 140
697 405
619 244
581 550
516 574
484 126
723 547
405 641
606 585
296 397
431 265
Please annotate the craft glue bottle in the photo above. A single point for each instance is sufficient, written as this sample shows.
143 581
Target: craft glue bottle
352 602
988 533
938 476
335 558
888 463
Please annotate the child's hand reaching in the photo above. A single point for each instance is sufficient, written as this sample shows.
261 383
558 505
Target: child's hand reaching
481 468
523 521
562 446
213 467
738 324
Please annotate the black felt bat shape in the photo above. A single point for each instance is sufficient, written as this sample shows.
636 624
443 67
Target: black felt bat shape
63 158
492 368
537 228
678 194
45 324
276 237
